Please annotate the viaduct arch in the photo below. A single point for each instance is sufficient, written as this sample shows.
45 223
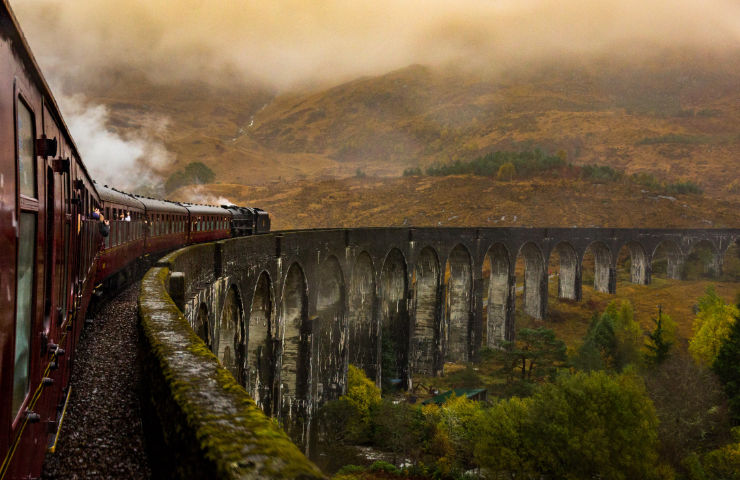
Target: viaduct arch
288 311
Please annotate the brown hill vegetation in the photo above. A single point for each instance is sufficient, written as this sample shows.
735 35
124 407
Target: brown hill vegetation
675 116
465 200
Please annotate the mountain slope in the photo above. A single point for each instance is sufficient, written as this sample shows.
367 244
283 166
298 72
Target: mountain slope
676 116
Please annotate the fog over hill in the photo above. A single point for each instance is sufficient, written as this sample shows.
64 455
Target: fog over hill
293 90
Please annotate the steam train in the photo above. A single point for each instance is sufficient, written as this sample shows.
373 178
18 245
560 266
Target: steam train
54 251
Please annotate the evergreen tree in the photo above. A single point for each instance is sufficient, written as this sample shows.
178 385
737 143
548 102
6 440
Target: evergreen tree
661 338
536 352
727 368
613 340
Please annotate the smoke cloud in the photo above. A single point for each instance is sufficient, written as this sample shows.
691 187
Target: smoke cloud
198 194
127 161
289 43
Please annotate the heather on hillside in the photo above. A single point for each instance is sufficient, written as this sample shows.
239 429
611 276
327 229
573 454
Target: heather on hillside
525 164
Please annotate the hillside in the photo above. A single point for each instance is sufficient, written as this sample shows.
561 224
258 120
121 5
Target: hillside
676 116
465 200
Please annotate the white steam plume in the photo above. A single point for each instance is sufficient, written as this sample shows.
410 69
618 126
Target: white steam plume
197 194
129 161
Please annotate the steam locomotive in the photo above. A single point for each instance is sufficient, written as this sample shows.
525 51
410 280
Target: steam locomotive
54 252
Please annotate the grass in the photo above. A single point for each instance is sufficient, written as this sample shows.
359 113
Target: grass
570 321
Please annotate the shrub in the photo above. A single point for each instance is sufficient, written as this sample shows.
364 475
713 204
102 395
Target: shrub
194 173
600 173
347 469
646 180
683 187
506 172
385 467
526 163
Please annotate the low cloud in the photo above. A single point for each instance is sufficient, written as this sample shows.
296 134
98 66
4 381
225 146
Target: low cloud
288 43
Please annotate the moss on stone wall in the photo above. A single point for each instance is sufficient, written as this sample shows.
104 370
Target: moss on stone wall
210 425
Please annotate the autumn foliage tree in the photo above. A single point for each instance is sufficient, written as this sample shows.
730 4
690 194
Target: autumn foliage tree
587 425
712 325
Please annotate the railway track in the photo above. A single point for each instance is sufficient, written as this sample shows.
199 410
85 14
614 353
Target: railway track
102 434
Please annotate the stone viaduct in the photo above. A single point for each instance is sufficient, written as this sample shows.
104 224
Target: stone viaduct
288 311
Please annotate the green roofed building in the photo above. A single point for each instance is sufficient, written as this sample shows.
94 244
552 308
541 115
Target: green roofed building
477 394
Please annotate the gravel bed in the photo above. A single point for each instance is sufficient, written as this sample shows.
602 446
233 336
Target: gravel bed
102 435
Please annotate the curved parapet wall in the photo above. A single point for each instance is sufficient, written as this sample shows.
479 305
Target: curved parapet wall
286 312
207 425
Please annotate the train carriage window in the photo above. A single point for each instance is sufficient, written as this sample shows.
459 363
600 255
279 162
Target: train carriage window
107 239
26 157
24 308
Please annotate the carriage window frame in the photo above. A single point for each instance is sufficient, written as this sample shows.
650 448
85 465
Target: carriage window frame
21 102
26 207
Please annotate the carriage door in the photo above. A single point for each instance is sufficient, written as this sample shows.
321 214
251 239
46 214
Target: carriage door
28 211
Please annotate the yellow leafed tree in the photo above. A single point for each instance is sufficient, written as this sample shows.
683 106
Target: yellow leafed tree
711 325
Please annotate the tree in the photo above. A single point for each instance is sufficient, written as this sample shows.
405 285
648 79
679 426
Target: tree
691 407
506 172
661 339
362 395
613 341
727 368
720 464
712 325
199 172
399 428
193 173
595 425
536 352
587 425
458 420
504 443
361 391
334 420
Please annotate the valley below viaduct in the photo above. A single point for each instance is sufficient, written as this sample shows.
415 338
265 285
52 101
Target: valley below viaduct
287 312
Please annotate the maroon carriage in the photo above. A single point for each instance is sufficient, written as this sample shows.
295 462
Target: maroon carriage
165 225
48 246
208 223
125 242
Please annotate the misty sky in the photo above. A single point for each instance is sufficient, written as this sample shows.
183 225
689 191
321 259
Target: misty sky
285 43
